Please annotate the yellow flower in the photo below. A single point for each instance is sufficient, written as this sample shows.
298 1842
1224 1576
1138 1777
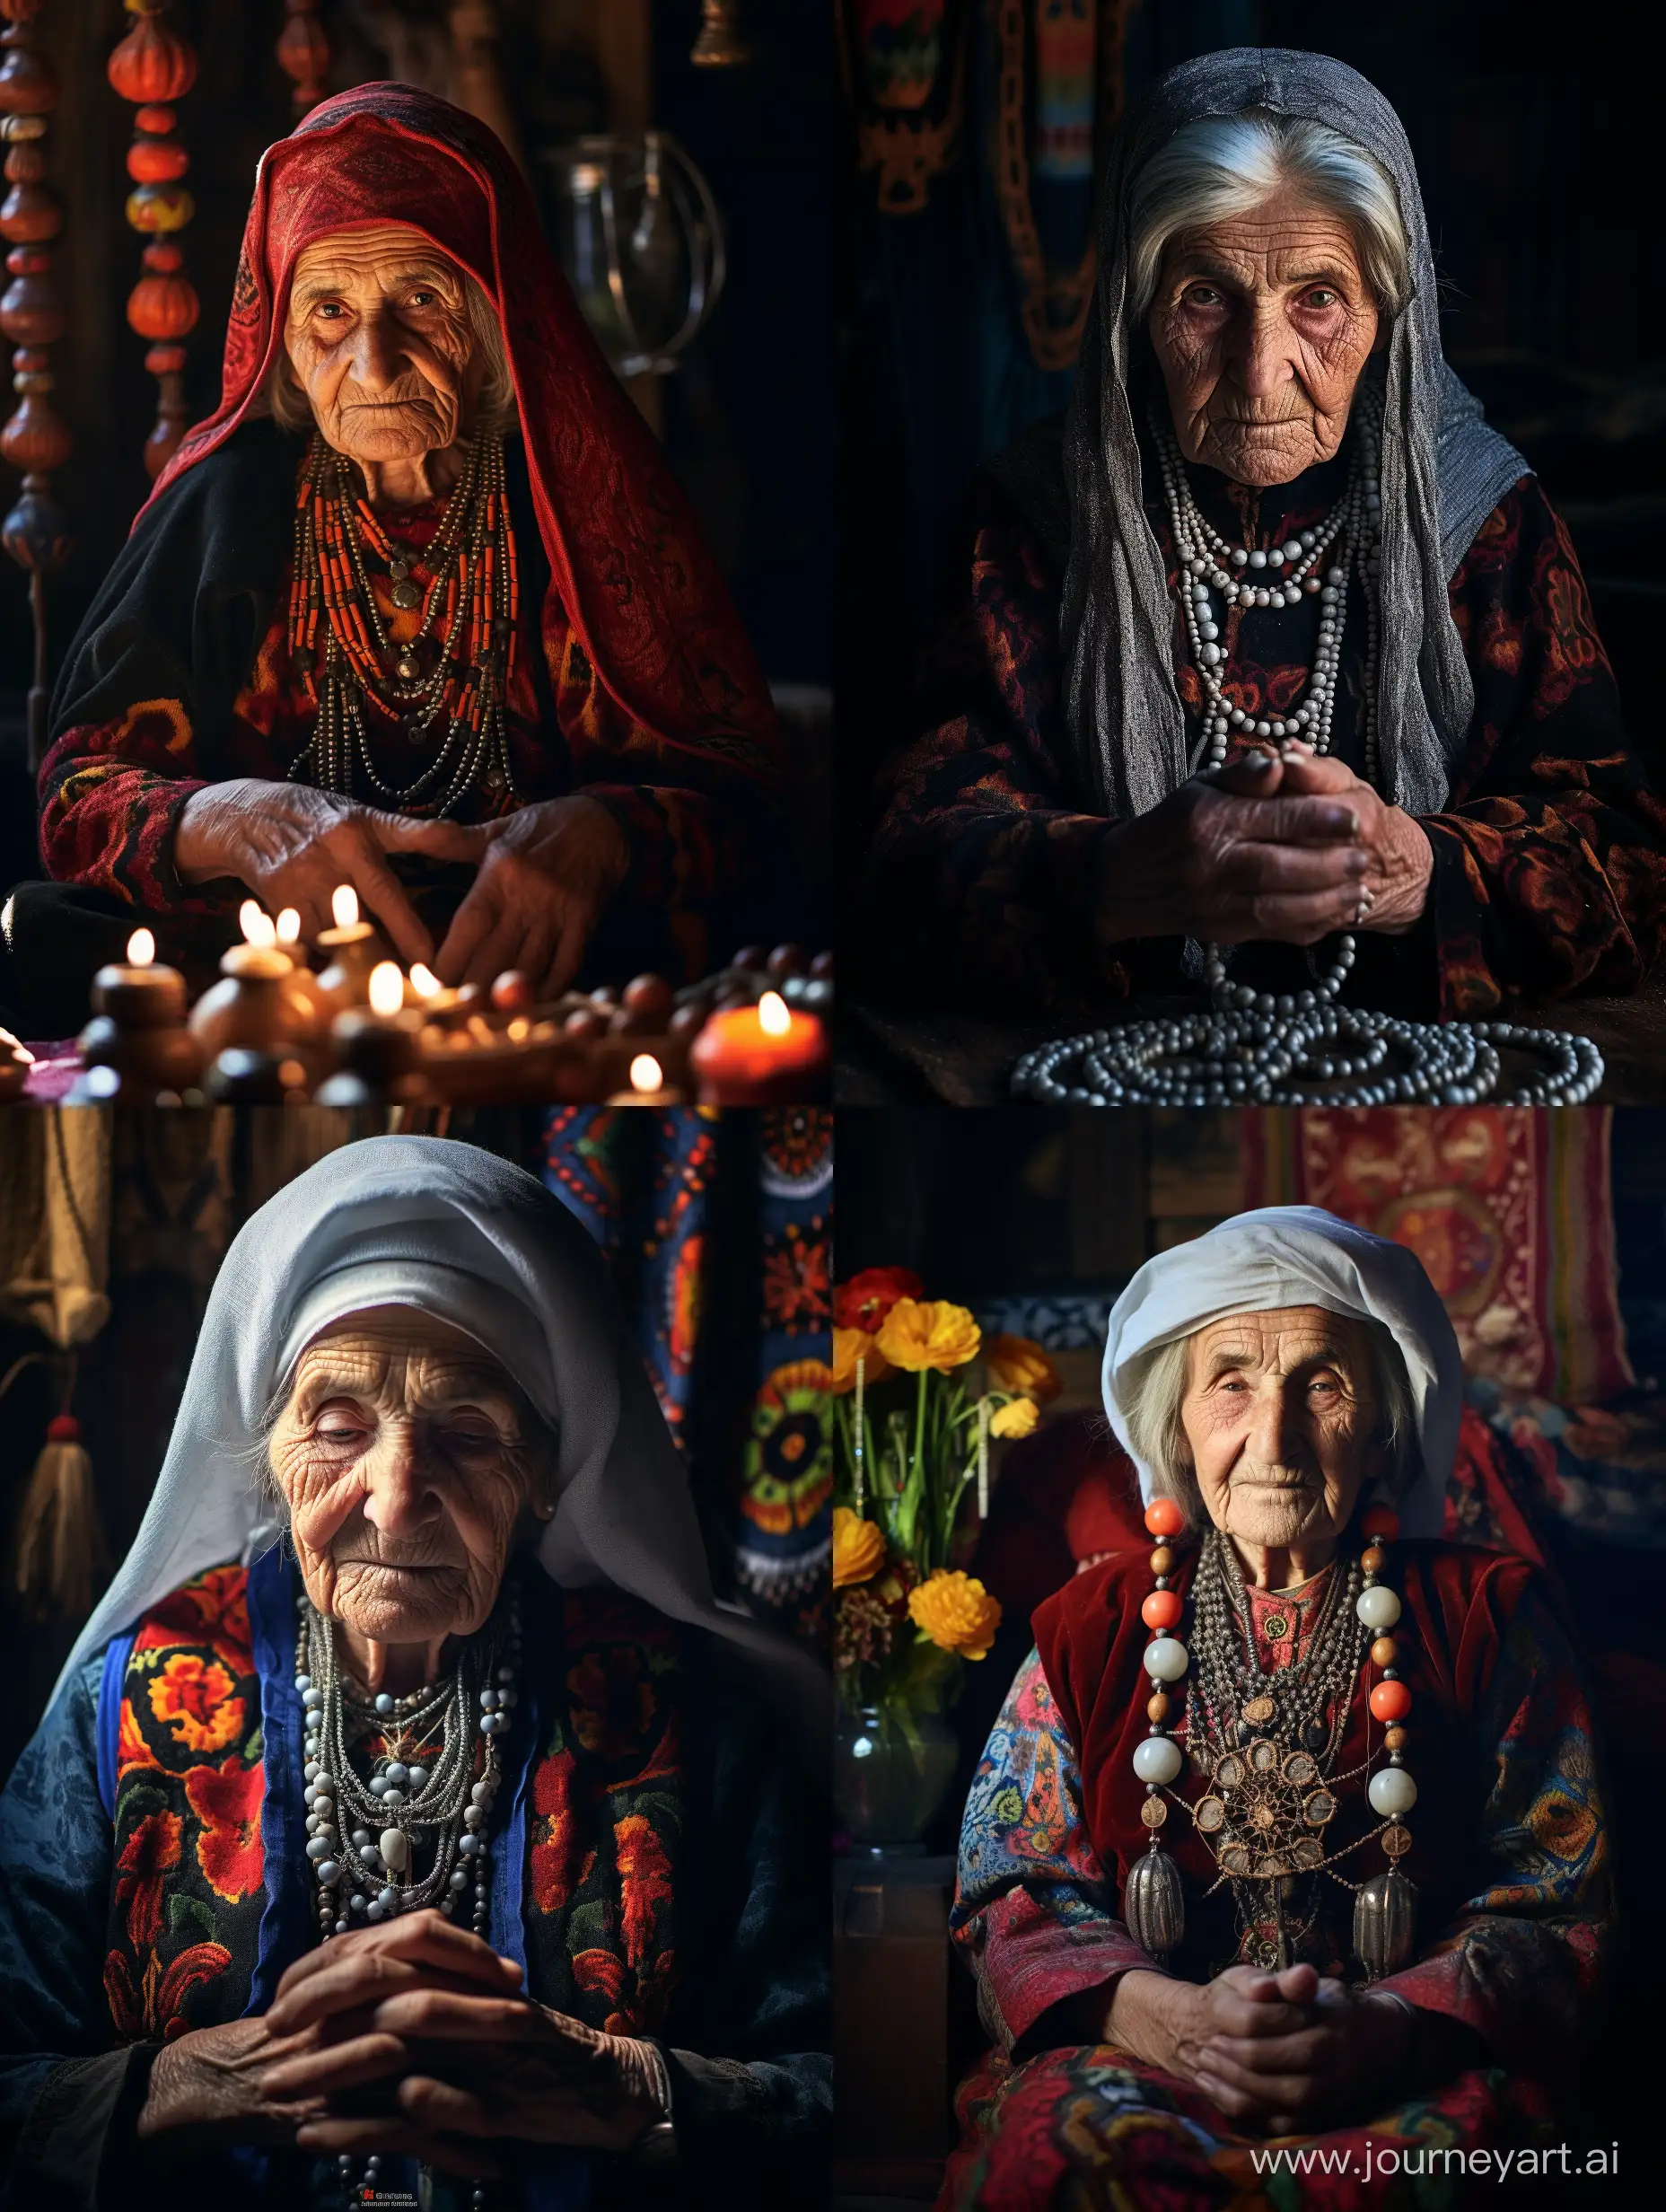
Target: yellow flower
1018 1364
849 1346
957 1612
858 1548
928 1332
1017 1419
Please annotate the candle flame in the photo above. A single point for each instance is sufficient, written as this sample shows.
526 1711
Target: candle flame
773 1017
344 904
425 982
646 1072
289 927
257 924
387 988
141 949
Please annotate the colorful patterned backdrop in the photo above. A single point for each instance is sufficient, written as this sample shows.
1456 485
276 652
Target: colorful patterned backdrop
719 1231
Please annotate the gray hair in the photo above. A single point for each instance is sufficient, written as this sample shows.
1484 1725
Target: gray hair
1219 166
494 410
1155 1390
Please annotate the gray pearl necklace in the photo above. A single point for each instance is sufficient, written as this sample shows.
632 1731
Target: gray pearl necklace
371 1876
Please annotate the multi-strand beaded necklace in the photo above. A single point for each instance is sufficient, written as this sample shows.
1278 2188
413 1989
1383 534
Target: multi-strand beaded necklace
441 689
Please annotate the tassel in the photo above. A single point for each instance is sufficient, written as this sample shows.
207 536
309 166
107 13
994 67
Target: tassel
60 1544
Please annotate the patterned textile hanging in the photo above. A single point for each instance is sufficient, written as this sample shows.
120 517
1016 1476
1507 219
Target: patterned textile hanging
154 67
36 439
718 1230
904 68
1060 95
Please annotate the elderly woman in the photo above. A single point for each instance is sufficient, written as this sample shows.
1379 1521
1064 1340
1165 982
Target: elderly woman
437 1816
1291 1828
1282 640
422 586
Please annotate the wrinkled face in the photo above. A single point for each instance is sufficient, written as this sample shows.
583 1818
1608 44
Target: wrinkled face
380 338
1280 1414
407 1459
1261 325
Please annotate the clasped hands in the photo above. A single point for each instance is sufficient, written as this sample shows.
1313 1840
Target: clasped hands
1287 847
413 2037
1281 2054
543 874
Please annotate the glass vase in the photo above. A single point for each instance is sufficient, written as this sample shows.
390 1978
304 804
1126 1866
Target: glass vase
891 1766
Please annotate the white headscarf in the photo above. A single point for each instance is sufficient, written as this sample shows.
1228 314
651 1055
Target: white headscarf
452 1231
1300 1255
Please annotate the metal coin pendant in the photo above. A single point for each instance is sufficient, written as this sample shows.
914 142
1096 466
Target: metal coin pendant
407 667
1260 1710
1313 1735
406 594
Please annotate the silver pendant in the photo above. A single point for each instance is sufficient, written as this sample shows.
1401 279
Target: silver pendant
1385 1916
1153 1903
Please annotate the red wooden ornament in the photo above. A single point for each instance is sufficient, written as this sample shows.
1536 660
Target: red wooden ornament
1161 1610
1164 1517
1391 1701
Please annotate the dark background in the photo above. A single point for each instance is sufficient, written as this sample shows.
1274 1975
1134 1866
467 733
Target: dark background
747 420
1536 135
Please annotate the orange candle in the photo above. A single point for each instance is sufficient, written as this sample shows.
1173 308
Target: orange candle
764 1055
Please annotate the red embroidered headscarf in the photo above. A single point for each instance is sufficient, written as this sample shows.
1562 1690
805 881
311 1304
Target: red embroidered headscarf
635 576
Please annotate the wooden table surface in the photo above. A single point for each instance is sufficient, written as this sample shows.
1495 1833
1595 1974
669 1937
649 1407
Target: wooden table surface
890 1056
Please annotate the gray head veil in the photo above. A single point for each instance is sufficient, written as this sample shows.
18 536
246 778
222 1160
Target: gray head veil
1443 471
456 1232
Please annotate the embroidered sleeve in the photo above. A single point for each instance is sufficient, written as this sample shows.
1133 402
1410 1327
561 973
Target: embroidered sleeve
110 798
1550 860
979 856
1034 1917
1521 1957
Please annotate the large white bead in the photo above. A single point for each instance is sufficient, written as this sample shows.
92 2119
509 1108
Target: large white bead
1392 1792
396 1849
1167 1658
1377 1607
1157 1759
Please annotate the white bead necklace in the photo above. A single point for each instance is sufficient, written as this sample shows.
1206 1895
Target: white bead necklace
1266 1048
371 1876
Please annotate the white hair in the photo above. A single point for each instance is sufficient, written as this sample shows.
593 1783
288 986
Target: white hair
495 408
1220 166
1156 1389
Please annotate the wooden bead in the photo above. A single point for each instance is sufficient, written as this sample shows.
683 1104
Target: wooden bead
1162 1561
511 993
1396 1739
1384 1652
1374 1559
1157 1706
1164 1517
1381 1520
1391 1701
1161 1610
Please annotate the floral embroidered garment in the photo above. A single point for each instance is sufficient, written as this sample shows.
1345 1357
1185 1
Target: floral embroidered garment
1510 1859
155 1882
1550 857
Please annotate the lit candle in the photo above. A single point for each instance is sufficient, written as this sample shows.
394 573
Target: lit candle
378 1045
138 1023
353 949
764 1055
263 1003
648 1087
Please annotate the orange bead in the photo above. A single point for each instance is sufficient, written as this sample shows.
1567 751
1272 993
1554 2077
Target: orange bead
1162 1561
1384 1652
1157 1706
1372 1558
1391 1701
1381 1520
1395 1739
1161 1610
1164 1517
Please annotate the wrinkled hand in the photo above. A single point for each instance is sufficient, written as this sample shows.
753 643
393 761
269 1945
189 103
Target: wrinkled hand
425 2025
1279 2052
1400 859
208 2089
292 846
546 873
1232 855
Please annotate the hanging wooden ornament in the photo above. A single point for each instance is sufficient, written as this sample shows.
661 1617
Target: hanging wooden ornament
35 439
154 67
